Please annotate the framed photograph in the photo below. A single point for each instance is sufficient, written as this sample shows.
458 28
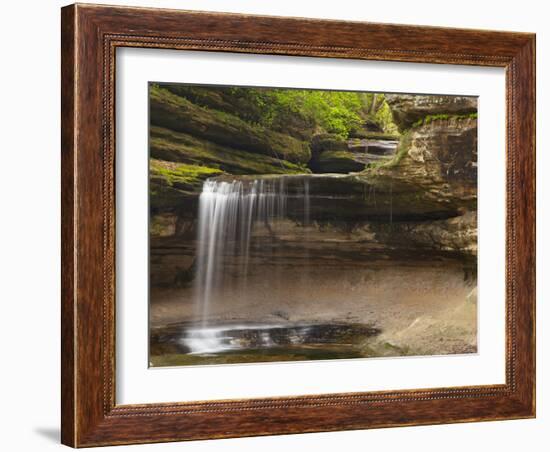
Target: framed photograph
281 225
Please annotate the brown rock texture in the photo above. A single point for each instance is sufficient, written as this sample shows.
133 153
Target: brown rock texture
407 109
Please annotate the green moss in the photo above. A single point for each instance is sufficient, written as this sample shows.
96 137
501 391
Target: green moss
171 111
341 351
400 153
181 175
364 134
296 112
406 138
402 149
180 147
162 225
171 184
259 106
430 118
156 228
327 142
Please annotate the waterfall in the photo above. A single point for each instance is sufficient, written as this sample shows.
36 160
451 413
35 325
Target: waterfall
229 213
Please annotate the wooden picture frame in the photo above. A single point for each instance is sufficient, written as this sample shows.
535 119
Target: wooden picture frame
90 36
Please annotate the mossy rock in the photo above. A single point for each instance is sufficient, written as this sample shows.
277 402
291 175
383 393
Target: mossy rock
363 134
183 176
163 224
177 113
327 142
408 109
365 196
230 100
440 150
170 183
330 155
438 161
442 117
211 97
173 146
338 162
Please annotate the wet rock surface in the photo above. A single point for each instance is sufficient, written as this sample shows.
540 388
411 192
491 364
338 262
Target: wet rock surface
331 154
369 150
183 344
182 338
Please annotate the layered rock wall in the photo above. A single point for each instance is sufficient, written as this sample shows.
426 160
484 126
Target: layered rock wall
421 197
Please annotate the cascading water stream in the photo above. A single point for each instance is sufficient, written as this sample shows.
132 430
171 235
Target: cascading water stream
229 212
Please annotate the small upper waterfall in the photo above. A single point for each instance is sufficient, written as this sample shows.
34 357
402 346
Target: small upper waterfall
229 213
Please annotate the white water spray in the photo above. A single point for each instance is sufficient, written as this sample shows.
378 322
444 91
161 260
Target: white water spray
229 212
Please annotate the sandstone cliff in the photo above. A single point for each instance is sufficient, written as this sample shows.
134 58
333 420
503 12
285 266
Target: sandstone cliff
413 192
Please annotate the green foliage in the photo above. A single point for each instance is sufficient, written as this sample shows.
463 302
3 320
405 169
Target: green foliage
298 112
239 130
178 113
384 117
332 111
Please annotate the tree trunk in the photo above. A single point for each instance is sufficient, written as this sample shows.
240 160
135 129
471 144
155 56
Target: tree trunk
373 104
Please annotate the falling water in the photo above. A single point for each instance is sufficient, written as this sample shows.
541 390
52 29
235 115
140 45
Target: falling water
229 212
